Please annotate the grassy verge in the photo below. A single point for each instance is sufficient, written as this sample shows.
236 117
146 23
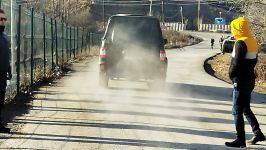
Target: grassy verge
219 66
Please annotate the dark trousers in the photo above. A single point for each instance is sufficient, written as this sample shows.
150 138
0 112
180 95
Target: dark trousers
2 93
241 105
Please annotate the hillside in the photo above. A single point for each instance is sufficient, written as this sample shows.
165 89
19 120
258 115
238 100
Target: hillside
172 13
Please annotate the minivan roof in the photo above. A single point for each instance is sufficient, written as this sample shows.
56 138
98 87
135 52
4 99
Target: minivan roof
131 15
127 15
137 16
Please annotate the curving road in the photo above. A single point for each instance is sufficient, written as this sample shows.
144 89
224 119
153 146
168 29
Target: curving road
192 112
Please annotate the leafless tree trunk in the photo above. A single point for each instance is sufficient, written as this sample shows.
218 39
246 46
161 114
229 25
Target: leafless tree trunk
59 8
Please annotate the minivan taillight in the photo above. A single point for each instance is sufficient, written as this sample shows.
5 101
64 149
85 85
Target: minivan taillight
162 55
102 52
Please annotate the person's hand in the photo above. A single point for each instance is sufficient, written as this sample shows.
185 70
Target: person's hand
235 85
9 76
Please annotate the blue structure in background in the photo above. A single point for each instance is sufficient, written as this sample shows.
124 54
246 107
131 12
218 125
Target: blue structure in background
220 21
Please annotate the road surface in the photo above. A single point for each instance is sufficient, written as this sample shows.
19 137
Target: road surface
192 112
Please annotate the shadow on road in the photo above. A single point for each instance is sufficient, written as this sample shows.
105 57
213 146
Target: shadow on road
177 93
134 113
207 92
116 141
128 125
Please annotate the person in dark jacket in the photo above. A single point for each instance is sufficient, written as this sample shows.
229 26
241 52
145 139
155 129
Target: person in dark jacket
221 43
212 42
5 69
241 72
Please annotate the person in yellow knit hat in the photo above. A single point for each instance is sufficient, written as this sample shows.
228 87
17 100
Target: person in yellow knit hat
241 72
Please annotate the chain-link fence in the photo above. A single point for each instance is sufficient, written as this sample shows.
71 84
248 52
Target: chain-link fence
40 44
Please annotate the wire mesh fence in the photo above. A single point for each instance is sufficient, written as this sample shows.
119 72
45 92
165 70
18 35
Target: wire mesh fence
39 44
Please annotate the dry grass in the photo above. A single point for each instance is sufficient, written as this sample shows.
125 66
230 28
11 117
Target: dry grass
177 39
220 65
89 52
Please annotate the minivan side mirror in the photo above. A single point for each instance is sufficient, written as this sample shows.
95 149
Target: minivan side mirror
165 41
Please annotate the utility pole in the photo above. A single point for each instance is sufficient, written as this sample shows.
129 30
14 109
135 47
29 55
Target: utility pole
63 11
150 13
163 11
53 9
60 9
43 6
13 40
68 11
103 15
181 12
77 6
198 14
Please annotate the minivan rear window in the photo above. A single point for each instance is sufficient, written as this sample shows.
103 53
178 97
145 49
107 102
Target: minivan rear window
138 30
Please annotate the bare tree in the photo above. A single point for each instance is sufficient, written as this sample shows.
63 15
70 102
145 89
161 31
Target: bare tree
255 10
59 8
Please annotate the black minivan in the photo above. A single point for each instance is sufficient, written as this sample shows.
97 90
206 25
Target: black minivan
132 49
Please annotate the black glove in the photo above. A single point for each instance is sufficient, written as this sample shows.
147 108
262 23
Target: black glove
9 74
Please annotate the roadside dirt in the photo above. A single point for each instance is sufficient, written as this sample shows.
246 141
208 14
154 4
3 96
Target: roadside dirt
21 104
218 67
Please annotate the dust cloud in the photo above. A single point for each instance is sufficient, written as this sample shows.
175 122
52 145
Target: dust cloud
129 99
132 57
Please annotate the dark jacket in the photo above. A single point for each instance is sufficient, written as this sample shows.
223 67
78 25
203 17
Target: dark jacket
4 54
244 55
241 68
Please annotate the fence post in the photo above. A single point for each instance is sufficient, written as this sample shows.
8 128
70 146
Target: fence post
86 41
31 58
62 43
52 45
82 38
56 40
74 42
18 48
89 42
77 39
44 44
70 46
92 39
67 42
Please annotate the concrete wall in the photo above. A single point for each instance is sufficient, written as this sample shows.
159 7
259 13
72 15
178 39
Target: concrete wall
176 26
214 28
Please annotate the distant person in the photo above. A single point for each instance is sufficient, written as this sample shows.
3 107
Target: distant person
221 42
241 72
5 68
212 42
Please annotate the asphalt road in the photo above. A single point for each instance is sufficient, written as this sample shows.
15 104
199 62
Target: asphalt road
192 112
